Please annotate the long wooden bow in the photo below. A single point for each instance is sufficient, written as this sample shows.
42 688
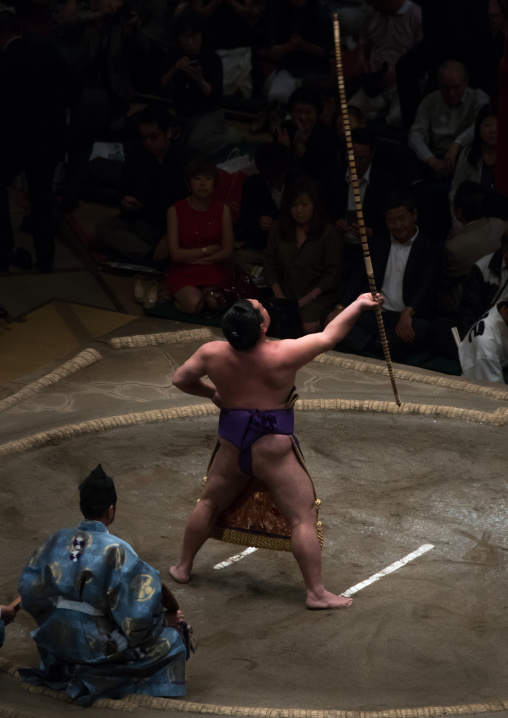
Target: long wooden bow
358 203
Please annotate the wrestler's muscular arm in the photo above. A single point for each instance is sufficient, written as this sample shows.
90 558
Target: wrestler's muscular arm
188 378
301 351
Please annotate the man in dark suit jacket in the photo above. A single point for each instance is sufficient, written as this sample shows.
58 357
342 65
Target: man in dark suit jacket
406 266
35 86
373 184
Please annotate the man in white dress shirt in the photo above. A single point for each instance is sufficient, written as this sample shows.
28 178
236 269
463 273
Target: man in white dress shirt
445 120
483 352
405 267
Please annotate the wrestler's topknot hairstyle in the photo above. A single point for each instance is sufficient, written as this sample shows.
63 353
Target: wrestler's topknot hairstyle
240 325
96 494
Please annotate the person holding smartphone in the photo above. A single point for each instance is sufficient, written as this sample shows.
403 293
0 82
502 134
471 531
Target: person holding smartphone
195 79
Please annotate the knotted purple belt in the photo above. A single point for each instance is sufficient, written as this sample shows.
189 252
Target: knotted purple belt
242 427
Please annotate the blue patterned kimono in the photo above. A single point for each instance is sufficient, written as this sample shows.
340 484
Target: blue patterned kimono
100 619
2 632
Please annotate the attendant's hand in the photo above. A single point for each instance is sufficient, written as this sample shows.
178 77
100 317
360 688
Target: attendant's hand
265 223
131 204
8 614
217 400
161 251
174 619
451 156
366 301
440 167
404 327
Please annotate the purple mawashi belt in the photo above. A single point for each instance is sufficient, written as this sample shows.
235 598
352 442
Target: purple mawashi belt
242 427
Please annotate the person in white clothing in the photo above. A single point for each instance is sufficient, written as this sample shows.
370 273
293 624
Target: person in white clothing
483 352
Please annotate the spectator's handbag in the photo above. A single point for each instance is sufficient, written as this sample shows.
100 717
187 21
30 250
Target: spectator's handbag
285 320
241 286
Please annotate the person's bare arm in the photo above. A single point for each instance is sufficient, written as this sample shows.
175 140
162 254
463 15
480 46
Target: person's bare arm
301 351
189 377
176 253
227 247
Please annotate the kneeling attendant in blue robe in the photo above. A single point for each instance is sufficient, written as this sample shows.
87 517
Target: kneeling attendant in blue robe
102 628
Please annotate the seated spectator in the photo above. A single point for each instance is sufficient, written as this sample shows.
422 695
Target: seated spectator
483 352
312 142
196 82
453 29
261 199
96 39
7 615
373 184
445 123
201 242
478 160
485 285
101 626
391 29
475 236
300 42
152 182
405 266
36 87
303 255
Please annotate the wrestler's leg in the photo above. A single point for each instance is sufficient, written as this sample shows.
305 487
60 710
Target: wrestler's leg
224 483
274 462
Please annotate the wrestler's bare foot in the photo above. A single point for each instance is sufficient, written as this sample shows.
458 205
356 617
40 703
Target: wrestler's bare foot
178 574
324 599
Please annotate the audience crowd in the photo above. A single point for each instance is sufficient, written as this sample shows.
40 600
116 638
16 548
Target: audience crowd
422 78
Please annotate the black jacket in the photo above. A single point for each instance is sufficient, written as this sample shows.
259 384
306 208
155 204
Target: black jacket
419 284
380 183
257 201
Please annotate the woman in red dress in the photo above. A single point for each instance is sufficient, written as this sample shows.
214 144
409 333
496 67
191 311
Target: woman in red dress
201 243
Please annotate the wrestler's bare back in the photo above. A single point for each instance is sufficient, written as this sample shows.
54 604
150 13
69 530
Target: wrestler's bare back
261 378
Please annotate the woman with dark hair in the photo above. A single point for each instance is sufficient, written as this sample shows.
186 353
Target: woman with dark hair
200 236
303 255
477 161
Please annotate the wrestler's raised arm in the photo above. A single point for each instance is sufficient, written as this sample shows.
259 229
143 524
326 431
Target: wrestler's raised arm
188 377
303 350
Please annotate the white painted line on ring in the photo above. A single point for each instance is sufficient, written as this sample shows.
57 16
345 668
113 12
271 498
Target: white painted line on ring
389 569
237 557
